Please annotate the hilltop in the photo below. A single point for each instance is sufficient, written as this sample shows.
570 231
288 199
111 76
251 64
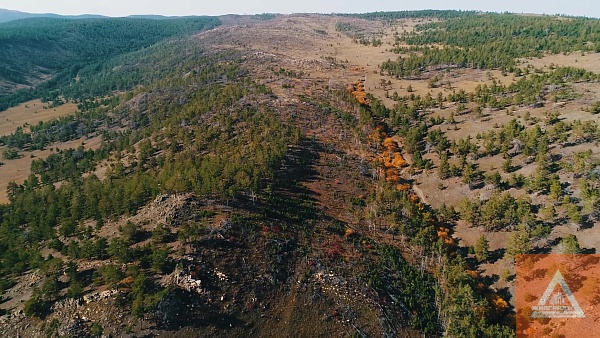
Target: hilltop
7 15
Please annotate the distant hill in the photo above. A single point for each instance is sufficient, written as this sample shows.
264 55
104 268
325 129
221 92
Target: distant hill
7 15
34 50
152 16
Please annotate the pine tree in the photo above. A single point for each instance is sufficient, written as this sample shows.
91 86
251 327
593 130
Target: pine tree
519 242
507 165
569 245
482 248
444 167
555 189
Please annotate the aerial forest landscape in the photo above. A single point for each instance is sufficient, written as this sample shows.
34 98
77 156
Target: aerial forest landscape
376 174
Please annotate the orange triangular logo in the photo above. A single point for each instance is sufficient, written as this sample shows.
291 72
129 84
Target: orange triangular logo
557 301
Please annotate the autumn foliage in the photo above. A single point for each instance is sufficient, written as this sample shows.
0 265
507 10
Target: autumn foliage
348 233
390 144
391 159
444 234
358 90
398 161
391 175
499 303
378 133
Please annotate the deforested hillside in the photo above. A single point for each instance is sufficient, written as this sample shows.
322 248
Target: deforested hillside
302 175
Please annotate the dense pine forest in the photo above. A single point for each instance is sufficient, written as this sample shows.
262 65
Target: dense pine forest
36 49
377 175
492 41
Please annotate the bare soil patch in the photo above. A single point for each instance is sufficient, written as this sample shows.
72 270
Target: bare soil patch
589 61
31 112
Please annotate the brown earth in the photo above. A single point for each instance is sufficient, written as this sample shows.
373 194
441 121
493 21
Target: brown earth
31 112
588 61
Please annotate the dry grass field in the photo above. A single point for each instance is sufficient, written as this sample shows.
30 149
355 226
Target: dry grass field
588 61
31 112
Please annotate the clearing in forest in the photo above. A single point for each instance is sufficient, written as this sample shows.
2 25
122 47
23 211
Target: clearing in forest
19 169
32 112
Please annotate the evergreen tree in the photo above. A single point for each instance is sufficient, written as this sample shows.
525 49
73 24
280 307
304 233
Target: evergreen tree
569 245
482 248
519 242
444 167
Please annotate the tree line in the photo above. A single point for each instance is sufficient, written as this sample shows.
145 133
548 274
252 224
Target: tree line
490 41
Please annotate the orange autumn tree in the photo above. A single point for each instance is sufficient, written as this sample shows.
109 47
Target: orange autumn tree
392 160
390 144
358 90
378 133
398 160
444 234
391 175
